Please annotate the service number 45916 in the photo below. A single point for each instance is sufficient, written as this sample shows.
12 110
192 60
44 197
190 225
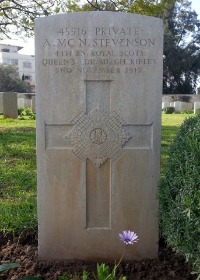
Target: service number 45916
73 31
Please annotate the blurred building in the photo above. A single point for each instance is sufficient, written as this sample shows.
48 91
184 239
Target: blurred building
25 63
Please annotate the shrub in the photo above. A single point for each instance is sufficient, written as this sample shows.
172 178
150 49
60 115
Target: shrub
169 110
188 112
180 193
198 111
26 114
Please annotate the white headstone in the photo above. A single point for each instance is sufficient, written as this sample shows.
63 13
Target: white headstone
20 102
165 104
196 107
27 101
178 106
1 102
33 103
10 109
186 106
99 90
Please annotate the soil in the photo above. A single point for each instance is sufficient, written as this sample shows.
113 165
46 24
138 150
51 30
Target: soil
22 249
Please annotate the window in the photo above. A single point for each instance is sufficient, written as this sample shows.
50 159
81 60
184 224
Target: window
27 77
27 64
5 50
14 61
6 61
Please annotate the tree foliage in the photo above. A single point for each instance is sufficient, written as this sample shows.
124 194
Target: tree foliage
181 48
182 30
147 7
181 39
10 81
17 16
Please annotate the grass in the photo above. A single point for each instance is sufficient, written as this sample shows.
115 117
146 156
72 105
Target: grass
17 175
18 169
170 126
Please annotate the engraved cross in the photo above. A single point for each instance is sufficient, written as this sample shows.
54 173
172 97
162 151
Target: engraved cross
98 137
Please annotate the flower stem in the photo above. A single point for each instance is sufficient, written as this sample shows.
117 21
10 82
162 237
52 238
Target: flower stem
116 266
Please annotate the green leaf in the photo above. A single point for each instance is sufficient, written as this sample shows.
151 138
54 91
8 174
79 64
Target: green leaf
85 275
7 266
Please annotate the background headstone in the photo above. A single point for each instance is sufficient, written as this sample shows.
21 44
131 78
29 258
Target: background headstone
186 106
196 107
99 85
1 102
178 106
20 102
165 104
27 101
33 103
182 106
10 109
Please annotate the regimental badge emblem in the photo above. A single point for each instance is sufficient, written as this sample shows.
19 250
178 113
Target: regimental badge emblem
98 136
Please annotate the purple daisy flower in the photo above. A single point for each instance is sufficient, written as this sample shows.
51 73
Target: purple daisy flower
128 237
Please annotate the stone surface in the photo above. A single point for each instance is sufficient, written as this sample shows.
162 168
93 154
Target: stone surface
10 109
196 107
33 104
99 90
178 106
20 102
26 100
1 102
165 104
182 106
186 106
